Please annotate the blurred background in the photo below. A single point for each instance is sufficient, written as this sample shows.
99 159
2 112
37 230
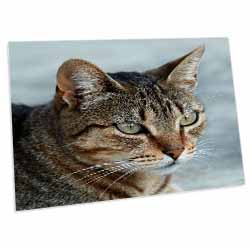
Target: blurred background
33 67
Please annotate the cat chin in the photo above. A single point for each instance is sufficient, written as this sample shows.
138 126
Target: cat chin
165 167
184 157
168 166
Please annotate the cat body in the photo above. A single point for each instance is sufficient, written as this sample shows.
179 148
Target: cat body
107 135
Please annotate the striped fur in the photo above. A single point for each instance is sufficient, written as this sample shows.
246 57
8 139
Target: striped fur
71 151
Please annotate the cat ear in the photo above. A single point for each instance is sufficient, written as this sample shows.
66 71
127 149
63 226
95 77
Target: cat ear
181 72
78 77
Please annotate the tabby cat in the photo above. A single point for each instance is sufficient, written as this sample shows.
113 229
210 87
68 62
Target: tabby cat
107 135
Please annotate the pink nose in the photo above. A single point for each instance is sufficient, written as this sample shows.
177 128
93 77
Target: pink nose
174 153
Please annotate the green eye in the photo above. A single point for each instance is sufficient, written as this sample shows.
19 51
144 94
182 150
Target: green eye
189 119
129 128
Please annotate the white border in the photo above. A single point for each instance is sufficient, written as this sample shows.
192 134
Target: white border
214 219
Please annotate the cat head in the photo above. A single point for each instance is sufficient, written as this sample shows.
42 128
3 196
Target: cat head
149 120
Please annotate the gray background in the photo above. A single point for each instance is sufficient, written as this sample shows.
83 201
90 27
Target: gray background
33 67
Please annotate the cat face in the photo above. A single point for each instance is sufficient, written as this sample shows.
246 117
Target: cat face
148 120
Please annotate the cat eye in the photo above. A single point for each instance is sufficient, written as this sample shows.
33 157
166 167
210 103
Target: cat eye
189 119
129 128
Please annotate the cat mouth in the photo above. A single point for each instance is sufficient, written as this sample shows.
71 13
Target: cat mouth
169 166
166 166
165 170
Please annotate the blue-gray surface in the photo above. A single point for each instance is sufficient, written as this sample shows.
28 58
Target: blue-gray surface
33 66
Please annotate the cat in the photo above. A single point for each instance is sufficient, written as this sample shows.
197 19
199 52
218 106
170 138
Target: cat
107 135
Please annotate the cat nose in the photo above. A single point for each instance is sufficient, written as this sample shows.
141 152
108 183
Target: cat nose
174 153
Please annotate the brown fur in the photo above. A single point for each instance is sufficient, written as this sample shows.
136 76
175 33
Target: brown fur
76 136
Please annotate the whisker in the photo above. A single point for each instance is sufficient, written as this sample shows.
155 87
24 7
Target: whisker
121 177
104 175
201 153
99 172
80 170
206 152
203 159
210 143
206 145
90 168
211 148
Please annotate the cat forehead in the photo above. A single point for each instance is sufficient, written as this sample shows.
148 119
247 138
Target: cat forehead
144 101
149 92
